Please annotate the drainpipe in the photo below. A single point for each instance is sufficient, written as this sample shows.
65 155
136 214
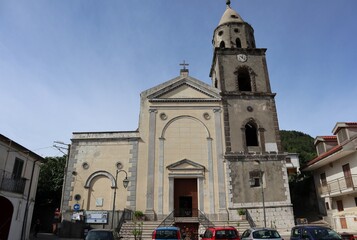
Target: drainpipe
24 224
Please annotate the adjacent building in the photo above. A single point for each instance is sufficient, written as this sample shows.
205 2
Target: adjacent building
335 176
199 150
19 171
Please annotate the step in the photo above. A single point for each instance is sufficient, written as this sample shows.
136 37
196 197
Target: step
149 226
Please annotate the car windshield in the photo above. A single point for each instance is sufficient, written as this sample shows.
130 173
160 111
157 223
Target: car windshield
226 234
324 233
99 235
265 233
166 234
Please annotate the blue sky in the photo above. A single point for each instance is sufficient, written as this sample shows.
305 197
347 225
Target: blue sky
71 66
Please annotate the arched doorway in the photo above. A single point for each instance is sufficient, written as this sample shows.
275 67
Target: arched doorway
5 217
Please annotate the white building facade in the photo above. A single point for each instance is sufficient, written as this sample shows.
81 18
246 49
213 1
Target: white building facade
19 171
335 176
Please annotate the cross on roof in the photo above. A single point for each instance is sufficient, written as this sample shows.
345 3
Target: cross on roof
184 64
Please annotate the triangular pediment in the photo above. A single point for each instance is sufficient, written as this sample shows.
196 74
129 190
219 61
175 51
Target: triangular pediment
185 165
183 89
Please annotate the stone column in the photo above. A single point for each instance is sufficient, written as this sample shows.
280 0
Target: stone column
149 212
223 214
210 177
160 177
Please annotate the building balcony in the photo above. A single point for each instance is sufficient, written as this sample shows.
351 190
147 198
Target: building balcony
339 186
11 184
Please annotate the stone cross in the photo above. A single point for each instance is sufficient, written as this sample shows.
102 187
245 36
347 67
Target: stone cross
184 64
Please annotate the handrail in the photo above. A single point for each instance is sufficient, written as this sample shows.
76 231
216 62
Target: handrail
169 220
127 214
189 212
202 218
249 219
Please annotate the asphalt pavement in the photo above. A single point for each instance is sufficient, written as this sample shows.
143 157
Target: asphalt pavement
49 236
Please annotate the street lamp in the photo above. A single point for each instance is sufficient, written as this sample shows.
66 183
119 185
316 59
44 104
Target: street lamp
125 184
262 188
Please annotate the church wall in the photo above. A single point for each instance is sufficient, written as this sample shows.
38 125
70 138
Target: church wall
100 158
263 114
277 202
182 131
187 137
229 63
244 193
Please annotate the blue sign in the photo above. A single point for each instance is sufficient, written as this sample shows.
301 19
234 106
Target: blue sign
76 206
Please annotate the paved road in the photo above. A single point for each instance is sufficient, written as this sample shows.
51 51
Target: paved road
49 236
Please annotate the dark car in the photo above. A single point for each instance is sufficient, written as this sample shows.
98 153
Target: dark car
167 233
261 233
310 232
102 234
222 233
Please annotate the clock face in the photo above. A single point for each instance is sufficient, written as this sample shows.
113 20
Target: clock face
242 57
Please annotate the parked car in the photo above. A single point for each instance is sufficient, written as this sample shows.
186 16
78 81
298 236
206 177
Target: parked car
261 233
311 232
167 233
213 233
102 234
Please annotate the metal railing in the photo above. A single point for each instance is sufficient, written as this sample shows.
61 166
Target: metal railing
169 220
249 219
127 214
9 183
203 220
188 213
338 185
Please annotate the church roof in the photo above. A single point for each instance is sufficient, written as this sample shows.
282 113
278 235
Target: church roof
182 88
230 16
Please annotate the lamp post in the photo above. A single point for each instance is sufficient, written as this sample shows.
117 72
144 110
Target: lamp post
125 184
262 188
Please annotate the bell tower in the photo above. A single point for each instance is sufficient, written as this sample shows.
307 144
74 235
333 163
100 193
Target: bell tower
255 162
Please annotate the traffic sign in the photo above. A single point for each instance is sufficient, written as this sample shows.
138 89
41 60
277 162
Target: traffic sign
76 206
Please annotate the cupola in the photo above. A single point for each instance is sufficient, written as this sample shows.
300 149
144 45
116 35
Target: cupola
232 31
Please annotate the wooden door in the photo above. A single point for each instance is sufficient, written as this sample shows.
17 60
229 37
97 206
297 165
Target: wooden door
185 197
348 175
343 222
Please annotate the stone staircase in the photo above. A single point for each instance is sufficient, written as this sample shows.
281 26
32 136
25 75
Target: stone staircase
147 227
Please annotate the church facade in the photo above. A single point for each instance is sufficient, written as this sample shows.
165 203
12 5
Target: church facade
199 148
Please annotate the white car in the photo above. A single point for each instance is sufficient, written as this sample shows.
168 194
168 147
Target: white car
261 233
102 234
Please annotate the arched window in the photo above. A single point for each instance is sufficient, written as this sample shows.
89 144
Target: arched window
222 45
244 83
251 134
238 43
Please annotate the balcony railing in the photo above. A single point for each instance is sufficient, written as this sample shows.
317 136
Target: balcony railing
339 185
11 184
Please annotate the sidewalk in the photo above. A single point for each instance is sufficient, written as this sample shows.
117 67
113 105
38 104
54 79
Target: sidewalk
47 236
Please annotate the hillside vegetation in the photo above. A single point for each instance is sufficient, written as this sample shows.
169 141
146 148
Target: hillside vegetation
298 142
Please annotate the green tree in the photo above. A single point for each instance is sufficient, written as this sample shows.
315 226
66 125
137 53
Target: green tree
302 190
49 190
298 142
50 182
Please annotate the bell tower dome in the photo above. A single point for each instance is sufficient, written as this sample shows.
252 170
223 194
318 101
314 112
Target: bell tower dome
233 32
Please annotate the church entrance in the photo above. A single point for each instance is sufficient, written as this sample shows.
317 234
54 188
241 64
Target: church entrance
185 197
